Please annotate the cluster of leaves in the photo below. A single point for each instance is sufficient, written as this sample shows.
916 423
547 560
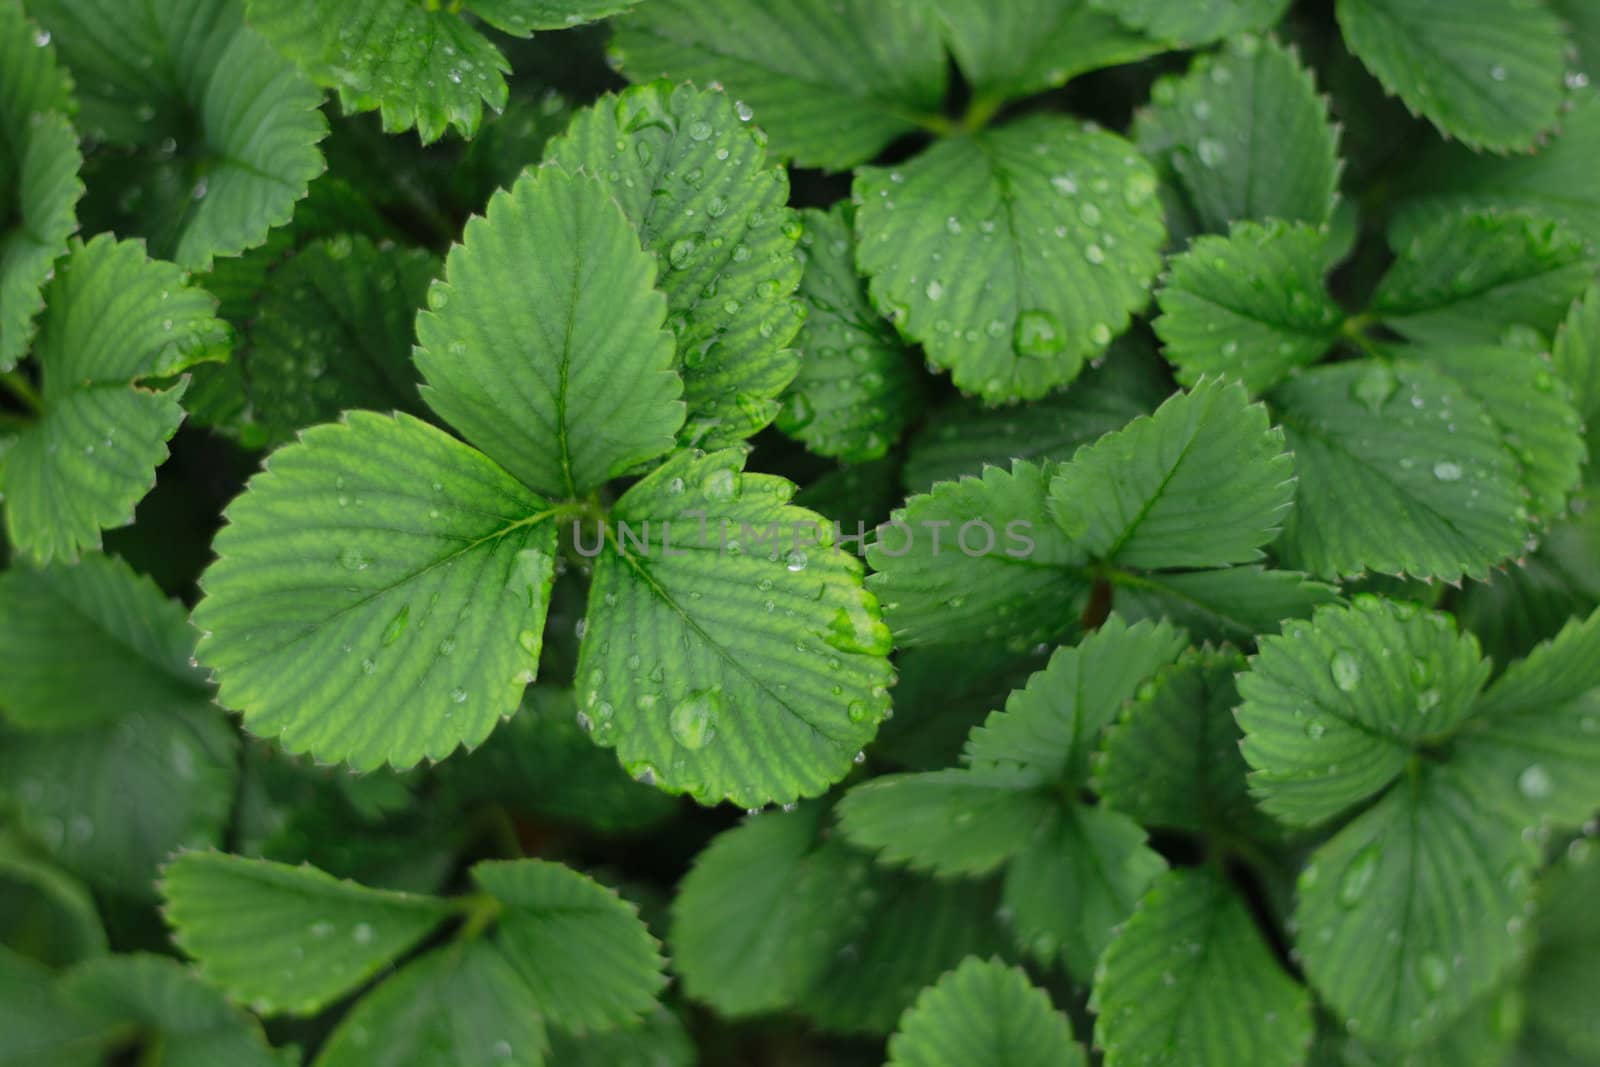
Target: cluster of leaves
1044 531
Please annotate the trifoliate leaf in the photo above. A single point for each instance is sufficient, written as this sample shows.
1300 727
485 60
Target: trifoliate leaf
1490 76
1191 979
115 318
1016 48
55 620
1173 758
764 910
963 438
1065 896
1531 407
462 1003
582 950
1467 279
39 164
184 1020
1233 604
833 83
1195 23
39 1026
1203 482
1049 727
1577 356
542 761
229 130
857 387
287 939
1252 305
696 182
544 346
731 651
1244 136
944 238
1018 580
379 594
952 822
984 1014
333 331
111 801
1549 182
659 1041
1414 910
914 929
422 65
1400 471
45 913
1334 710
1533 743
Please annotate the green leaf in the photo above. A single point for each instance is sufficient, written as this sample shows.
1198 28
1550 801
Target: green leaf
1414 910
1333 711
45 913
1559 975
952 822
287 939
762 913
1400 471
1021 591
242 123
1490 76
588 959
115 319
1173 758
462 1003
39 164
1576 357
964 437
56 620
544 345
913 930
984 1014
857 387
1533 743
1203 482
1190 978
1467 279
522 17
1252 305
696 182
185 1021
944 238
379 594
685 669
333 331
1066 896
1233 604
1243 136
38 1026
1195 23
1551 182
660 1041
1531 407
1050 726
1583 24
422 66
832 83
1016 48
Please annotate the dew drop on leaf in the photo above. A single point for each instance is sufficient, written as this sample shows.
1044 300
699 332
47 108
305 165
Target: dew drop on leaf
1358 877
397 625
1038 335
1446 471
1534 782
693 720
1346 671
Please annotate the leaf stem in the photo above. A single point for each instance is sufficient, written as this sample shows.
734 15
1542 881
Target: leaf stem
479 911
979 113
18 385
1354 330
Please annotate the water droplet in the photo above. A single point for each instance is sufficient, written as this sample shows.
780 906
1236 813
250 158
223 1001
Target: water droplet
1447 471
362 934
795 561
1315 729
1212 153
1094 254
397 626
1374 386
1138 189
681 252
721 485
1534 782
1358 877
693 720
1038 334
935 290
1435 972
321 929
458 695
354 559
700 130
1346 670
